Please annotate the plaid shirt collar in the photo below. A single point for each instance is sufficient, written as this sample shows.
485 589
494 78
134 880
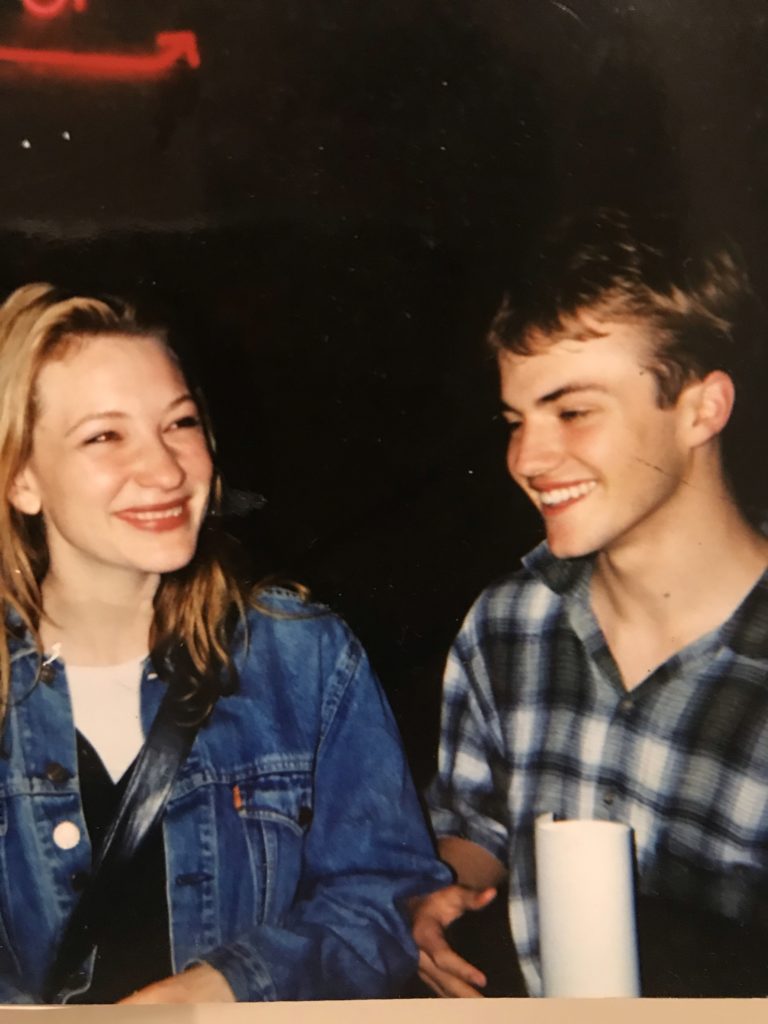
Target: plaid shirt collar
744 632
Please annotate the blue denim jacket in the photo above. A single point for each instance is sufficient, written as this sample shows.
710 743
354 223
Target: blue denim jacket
292 836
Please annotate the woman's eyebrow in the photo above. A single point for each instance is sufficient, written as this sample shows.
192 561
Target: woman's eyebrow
107 414
117 414
186 397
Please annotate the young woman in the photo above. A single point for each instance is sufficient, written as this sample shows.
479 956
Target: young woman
292 836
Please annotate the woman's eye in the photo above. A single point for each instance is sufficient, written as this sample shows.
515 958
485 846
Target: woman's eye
189 422
573 414
105 435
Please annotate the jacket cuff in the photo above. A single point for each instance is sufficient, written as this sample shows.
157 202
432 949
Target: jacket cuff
243 969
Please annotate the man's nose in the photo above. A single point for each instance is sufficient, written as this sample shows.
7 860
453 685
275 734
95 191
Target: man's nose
534 449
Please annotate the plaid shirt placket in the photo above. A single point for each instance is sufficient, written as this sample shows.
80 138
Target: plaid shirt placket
536 720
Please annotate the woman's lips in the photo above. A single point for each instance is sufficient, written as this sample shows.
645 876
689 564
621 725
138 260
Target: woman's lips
157 518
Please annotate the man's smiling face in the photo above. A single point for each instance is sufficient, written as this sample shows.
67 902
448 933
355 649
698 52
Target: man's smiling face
589 443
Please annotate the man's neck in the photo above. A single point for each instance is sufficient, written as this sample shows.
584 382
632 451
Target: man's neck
652 599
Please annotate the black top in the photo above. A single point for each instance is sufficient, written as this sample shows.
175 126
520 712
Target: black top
135 950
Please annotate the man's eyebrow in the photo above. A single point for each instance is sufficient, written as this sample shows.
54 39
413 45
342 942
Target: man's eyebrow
554 396
570 389
116 414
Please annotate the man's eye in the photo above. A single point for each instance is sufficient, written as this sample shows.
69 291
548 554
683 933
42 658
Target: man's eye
508 426
573 414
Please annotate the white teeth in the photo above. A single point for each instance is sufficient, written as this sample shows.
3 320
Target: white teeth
560 494
168 513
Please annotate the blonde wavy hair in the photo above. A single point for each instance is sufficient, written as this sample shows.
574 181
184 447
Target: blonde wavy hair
197 609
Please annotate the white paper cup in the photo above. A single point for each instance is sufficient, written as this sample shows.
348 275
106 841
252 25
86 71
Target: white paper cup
588 936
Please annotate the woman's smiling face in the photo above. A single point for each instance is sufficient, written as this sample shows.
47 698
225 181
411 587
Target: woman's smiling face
120 467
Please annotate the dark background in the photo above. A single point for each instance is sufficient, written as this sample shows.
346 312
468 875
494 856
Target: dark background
331 205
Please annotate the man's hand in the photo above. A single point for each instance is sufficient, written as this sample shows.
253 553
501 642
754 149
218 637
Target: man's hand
439 966
200 984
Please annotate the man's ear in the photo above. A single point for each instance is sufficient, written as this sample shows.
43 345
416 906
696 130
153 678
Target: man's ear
708 403
24 494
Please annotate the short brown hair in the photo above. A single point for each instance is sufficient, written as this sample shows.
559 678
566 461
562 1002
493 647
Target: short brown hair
693 296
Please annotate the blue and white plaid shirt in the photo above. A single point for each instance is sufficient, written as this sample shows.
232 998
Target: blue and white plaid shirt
536 720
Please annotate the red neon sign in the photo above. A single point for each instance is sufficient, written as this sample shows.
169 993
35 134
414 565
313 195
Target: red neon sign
170 49
51 8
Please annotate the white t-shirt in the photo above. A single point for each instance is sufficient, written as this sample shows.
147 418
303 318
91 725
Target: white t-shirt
105 706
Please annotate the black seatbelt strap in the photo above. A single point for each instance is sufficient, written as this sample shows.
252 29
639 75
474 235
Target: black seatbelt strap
137 816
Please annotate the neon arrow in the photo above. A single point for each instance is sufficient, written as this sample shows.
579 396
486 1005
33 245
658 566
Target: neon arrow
170 48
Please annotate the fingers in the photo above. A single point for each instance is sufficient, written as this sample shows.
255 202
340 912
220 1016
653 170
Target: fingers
481 899
448 904
440 967
448 961
452 977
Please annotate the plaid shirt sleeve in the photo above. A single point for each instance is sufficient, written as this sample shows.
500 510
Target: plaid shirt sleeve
467 797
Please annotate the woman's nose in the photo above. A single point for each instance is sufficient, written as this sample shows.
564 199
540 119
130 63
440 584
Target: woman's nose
159 466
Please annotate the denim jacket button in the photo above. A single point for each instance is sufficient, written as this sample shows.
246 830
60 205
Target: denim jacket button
305 817
56 772
66 835
47 674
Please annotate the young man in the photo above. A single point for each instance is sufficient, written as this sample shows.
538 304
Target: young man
622 674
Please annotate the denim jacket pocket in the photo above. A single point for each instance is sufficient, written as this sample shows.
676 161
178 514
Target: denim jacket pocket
282 797
275 808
